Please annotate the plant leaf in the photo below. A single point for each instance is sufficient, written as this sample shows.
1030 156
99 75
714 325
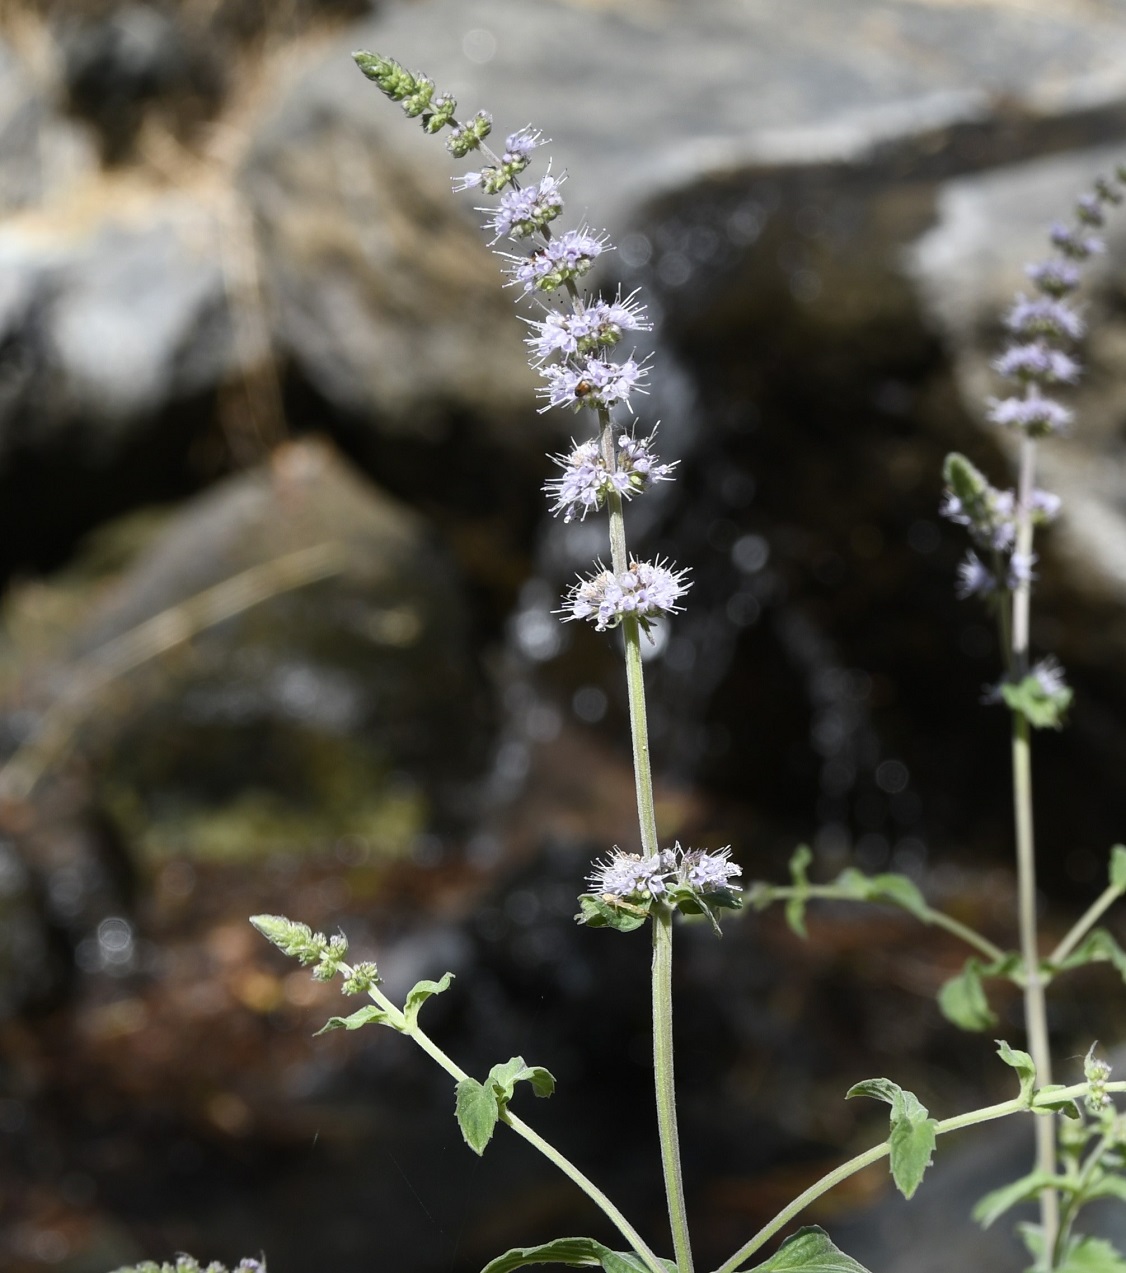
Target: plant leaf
1041 708
477 1113
913 1133
890 888
596 912
810 1250
576 1252
1067 1108
962 999
799 872
998 1201
1092 1255
573 1251
420 992
1024 1066
504 1076
1097 947
630 1262
366 1015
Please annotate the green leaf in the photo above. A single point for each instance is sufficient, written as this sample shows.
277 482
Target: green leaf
363 1016
596 912
810 1250
573 1251
1067 1108
1097 947
577 1252
420 992
962 999
892 889
799 872
1092 1255
1118 866
1026 1189
477 1113
912 1152
630 1262
913 1132
503 1078
1041 708
1024 1066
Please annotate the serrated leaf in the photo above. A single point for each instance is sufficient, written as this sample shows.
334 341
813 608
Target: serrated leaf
1043 709
962 999
504 1076
367 1015
912 1144
1117 872
477 1113
913 1133
810 1250
998 1201
1092 1255
576 1252
596 912
420 992
799 873
1022 1063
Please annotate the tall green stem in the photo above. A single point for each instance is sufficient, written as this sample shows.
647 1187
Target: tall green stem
1035 1009
664 1079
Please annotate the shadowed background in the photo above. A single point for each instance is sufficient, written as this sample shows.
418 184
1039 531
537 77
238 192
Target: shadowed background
277 629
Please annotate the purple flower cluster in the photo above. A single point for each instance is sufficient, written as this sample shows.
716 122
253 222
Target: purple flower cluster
1034 362
587 479
991 515
571 345
1040 324
647 589
629 877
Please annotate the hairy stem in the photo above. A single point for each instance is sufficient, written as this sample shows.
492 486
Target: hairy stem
664 1079
1035 1008
568 1168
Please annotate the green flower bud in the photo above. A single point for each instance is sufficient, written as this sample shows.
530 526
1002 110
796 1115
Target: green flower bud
441 115
360 980
419 100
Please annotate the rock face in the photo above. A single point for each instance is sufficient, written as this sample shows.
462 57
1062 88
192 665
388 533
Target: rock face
276 668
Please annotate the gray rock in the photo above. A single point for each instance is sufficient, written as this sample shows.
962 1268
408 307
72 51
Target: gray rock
42 154
118 311
306 706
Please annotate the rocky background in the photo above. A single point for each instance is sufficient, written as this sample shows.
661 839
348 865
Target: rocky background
277 631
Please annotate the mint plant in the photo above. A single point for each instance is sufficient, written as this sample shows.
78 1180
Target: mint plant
575 343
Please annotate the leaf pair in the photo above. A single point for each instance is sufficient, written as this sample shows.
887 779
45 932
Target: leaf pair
372 1014
479 1106
810 1250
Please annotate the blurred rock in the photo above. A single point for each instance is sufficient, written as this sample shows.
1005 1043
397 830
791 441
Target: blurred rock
110 313
301 709
42 154
118 64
